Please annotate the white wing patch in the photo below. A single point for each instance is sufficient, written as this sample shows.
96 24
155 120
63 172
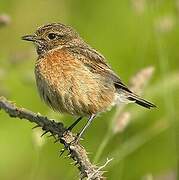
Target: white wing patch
122 98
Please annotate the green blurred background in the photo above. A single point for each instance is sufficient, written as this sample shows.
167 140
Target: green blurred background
132 35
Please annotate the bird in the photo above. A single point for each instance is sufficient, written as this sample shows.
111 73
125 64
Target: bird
74 78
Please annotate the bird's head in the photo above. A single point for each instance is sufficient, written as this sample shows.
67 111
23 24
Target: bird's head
52 36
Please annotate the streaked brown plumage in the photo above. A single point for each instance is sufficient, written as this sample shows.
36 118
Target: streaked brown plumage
74 78
62 84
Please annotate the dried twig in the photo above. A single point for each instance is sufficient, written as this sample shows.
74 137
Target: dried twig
100 168
76 151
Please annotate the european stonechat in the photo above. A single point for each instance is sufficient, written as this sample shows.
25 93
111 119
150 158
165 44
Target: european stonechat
74 78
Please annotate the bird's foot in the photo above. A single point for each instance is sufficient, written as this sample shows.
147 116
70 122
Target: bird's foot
76 140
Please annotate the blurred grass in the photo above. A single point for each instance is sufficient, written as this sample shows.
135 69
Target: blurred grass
132 35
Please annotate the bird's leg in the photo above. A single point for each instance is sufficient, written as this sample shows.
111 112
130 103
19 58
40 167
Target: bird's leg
69 129
90 119
74 124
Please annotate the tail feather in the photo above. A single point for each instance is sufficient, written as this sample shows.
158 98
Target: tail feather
140 101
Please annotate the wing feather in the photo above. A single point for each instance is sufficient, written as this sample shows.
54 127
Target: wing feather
97 64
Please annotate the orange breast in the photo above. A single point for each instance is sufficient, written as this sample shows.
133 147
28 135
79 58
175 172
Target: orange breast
66 85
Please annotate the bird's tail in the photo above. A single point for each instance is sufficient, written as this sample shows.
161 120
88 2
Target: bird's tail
138 100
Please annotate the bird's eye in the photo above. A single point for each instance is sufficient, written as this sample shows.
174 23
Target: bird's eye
52 36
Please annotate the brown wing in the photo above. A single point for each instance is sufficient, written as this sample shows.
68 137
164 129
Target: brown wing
97 64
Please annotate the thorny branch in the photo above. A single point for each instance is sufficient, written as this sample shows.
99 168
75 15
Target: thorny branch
75 151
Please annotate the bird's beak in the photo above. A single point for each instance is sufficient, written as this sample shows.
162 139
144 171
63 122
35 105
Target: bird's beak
32 38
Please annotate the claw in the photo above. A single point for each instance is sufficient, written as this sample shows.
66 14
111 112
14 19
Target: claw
76 140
